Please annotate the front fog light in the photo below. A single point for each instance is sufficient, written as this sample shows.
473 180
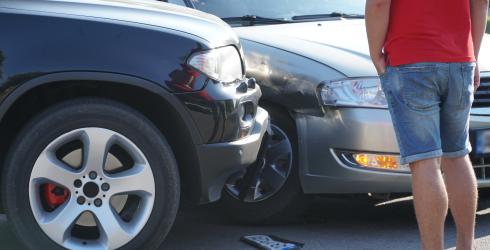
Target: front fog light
373 161
387 162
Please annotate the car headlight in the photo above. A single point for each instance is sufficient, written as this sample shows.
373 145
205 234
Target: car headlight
221 64
354 93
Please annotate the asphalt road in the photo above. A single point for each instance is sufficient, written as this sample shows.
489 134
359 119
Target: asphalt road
328 224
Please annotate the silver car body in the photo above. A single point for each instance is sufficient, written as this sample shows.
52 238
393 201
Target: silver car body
290 61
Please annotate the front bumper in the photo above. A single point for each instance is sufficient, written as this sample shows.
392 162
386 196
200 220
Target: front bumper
219 160
355 129
482 166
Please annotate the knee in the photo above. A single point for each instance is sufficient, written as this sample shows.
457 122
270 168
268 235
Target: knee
432 164
456 160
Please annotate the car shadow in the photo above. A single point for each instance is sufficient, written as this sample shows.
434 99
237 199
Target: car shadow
329 223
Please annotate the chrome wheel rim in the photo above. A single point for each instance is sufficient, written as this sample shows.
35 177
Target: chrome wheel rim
275 169
114 232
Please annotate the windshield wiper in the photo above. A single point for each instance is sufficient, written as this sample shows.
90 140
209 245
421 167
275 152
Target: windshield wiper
334 14
255 18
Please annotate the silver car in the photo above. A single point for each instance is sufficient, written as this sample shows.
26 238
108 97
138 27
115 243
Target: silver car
332 130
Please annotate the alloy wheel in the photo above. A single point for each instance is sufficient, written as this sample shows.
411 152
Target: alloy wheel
275 169
101 196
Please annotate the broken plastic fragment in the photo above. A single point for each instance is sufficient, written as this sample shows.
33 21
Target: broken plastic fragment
270 242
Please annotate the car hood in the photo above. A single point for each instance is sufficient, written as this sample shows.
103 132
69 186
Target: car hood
147 12
340 44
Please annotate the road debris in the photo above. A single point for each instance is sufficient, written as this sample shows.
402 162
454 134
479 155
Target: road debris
270 242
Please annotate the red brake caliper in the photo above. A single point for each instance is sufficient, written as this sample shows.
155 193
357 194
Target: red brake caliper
55 195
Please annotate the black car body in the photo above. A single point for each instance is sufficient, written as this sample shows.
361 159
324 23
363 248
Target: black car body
135 53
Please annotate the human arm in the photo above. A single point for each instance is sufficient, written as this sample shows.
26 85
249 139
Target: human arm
377 20
479 11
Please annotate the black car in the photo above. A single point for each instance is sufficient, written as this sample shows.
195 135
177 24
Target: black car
108 108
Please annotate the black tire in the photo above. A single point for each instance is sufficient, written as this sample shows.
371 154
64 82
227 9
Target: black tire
82 113
287 203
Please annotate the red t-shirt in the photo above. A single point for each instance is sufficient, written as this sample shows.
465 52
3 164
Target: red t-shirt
429 31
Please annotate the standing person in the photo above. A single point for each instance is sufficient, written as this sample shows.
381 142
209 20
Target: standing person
428 72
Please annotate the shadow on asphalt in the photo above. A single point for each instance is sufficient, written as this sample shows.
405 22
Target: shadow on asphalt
328 224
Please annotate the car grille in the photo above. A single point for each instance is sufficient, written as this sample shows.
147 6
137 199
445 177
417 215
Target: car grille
482 94
482 168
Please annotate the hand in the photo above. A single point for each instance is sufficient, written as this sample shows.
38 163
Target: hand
380 63
476 84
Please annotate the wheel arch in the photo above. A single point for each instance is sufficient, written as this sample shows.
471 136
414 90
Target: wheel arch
151 100
299 124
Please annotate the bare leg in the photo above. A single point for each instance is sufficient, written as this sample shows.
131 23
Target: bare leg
430 201
463 195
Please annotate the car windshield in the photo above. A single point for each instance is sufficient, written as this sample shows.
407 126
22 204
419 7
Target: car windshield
278 8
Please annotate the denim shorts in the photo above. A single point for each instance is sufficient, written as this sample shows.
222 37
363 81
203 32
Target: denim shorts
430 107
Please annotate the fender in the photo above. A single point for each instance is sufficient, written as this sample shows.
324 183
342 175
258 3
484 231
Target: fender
62 43
104 77
286 78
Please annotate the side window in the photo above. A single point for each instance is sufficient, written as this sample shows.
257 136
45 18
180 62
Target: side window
178 2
